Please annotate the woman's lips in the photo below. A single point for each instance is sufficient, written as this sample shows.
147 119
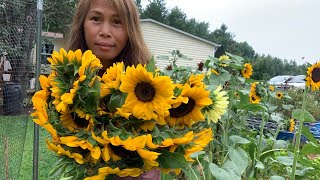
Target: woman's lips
105 46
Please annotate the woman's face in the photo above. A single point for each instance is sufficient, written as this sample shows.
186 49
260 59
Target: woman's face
105 33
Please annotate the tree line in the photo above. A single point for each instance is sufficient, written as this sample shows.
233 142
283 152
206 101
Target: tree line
58 16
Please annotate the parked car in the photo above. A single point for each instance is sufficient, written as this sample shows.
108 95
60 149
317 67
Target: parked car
297 82
280 81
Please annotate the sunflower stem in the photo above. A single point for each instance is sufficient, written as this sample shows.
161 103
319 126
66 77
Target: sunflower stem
226 129
298 138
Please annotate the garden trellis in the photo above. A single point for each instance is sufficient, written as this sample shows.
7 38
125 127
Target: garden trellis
17 39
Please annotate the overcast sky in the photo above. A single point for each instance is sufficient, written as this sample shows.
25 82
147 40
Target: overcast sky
288 29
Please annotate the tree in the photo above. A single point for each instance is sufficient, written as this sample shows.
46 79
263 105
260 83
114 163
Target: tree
57 15
176 18
156 10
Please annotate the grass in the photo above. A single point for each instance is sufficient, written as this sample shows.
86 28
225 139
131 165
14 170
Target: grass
19 130
12 133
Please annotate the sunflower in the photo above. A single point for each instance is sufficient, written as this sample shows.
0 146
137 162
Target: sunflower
74 121
214 72
291 125
111 78
40 116
247 70
196 80
189 112
148 97
254 99
279 95
254 95
201 140
271 88
313 76
223 58
220 102
61 151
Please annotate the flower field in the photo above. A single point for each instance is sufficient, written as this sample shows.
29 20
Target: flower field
220 124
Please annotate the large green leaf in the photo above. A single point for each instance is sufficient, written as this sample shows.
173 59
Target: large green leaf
238 140
297 114
240 158
219 173
172 160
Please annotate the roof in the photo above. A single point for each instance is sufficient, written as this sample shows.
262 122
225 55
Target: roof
52 34
180 31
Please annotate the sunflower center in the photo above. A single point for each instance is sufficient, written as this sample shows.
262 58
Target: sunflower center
183 109
80 122
316 75
253 98
145 92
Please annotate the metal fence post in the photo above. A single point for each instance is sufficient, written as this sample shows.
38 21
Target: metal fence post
38 64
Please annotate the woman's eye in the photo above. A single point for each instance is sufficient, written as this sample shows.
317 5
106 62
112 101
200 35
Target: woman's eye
95 18
116 21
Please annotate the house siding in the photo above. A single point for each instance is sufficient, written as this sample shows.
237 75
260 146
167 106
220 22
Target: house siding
162 41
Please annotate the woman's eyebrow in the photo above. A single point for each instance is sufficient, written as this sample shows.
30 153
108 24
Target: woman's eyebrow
94 12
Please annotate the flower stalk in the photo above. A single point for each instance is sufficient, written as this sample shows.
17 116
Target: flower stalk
298 138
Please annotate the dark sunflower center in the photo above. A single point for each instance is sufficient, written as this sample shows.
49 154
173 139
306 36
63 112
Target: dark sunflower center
183 109
253 98
145 92
80 122
316 75
121 151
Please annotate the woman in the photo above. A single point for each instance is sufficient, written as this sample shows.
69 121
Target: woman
111 29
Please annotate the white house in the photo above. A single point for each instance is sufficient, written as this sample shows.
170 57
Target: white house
161 40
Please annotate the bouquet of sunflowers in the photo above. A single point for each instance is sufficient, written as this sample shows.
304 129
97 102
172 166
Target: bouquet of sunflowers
127 122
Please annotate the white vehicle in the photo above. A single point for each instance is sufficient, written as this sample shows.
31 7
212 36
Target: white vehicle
297 82
280 81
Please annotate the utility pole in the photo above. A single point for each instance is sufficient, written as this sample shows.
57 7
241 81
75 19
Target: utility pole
38 64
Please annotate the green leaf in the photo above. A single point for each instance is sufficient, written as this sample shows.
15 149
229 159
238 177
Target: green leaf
172 160
259 165
240 158
238 140
151 65
254 107
197 154
219 173
310 149
224 77
236 66
166 176
285 160
287 107
297 114
116 101
306 132
277 178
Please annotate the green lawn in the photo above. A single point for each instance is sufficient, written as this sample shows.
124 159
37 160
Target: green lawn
16 160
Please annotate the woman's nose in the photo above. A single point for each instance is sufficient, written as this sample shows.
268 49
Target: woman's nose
105 30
